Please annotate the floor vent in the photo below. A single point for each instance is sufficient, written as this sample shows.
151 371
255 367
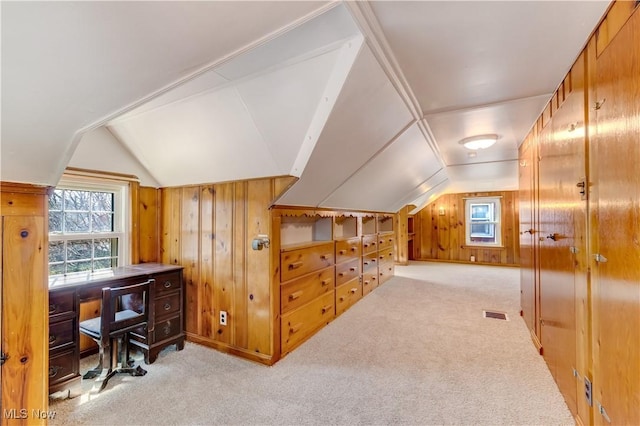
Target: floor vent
494 314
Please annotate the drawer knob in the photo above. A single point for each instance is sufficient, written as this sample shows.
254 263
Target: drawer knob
53 370
354 248
366 283
52 338
166 330
341 274
297 294
382 257
295 265
325 282
167 284
342 298
352 269
167 306
342 251
326 256
353 290
326 308
295 328
366 263
53 308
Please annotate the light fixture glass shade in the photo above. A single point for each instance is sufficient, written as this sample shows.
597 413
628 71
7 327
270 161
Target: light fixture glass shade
479 142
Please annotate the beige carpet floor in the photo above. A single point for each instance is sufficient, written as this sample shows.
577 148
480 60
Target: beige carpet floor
416 351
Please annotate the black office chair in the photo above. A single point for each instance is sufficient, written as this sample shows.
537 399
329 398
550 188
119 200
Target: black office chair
124 309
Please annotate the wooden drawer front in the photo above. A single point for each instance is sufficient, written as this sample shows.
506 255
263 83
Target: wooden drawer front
167 305
369 243
369 261
347 250
347 271
296 263
296 293
63 367
385 256
61 333
167 282
385 241
61 302
299 324
348 294
166 329
386 272
369 281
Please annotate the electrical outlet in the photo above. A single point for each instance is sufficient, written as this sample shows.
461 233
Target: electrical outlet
223 317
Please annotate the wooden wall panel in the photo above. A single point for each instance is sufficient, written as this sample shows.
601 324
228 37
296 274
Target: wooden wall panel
24 293
616 281
209 229
440 227
148 224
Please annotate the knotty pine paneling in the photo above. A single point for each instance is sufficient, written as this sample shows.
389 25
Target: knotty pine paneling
148 221
441 236
24 314
208 229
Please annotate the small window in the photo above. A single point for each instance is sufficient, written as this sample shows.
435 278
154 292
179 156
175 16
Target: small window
483 222
87 226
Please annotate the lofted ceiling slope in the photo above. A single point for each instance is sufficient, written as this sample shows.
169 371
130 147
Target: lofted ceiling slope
364 101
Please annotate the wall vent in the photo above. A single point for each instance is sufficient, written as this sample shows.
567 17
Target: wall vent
495 315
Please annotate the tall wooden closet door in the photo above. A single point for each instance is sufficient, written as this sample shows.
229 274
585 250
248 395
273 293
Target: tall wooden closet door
616 263
528 291
562 230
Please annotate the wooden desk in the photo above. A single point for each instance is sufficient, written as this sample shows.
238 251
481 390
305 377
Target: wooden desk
67 293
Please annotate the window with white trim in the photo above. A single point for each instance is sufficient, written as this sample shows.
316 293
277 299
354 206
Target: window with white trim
483 227
88 225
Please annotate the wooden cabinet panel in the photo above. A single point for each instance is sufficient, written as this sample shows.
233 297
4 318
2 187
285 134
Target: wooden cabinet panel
385 241
386 255
298 292
370 261
301 323
386 271
348 294
347 250
297 262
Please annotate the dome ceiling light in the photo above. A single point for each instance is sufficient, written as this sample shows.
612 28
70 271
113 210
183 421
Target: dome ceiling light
479 142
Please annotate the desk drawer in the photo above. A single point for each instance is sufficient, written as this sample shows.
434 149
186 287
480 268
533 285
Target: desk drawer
166 305
347 271
61 302
63 367
387 271
347 250
167 282
298 262
166 329
296 293
297 325
61 333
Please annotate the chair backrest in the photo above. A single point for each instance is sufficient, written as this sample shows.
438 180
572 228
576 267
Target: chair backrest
118 317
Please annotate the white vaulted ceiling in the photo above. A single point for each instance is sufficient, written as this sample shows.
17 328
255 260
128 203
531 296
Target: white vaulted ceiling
365 102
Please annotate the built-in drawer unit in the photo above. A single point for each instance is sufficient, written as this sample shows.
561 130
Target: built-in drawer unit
348 249
369 243
301 323
385 256
347 271
348 294
369 261
386 271
369 281
300 291
385 241
300 261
